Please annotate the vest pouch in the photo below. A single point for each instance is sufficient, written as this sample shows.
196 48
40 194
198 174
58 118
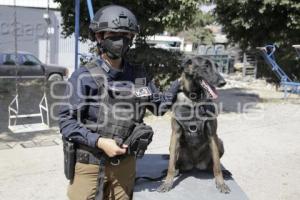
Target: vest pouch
139 140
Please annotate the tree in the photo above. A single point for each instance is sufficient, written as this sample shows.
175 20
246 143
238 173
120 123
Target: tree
197 32
254 23
154 16
161 65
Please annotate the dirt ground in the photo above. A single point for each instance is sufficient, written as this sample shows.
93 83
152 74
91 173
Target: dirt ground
262 145
260 131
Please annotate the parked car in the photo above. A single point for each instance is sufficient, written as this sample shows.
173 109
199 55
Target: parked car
29 66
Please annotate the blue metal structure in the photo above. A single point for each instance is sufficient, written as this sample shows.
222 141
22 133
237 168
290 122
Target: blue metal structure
77 21
288 85
91 10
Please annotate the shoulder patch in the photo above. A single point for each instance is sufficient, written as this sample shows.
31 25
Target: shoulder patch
142 92
105 67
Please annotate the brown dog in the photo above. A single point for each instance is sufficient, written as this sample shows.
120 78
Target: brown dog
194 141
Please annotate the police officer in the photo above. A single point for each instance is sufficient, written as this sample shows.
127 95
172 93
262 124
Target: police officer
113 28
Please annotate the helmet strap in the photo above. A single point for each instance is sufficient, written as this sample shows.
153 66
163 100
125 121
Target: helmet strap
100 48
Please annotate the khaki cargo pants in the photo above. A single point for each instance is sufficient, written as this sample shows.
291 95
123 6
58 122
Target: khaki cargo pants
118 184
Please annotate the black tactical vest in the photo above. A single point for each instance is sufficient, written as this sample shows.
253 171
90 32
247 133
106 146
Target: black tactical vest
122 103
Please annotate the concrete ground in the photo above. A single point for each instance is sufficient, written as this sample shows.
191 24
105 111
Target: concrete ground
262 148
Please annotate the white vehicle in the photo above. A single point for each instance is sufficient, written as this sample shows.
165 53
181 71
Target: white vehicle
166 42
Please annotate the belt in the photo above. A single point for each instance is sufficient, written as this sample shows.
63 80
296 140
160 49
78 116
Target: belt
88 155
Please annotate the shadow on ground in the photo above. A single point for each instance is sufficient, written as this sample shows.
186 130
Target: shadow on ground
160 165
236 100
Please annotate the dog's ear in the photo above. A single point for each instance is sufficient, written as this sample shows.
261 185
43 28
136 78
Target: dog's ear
209 62
186 63
212 65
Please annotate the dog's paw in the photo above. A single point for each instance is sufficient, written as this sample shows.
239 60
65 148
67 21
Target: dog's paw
223 188
165 187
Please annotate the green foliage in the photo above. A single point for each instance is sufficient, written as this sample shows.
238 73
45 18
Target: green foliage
197 32
162 65
154 16
258 22
253 23
200 35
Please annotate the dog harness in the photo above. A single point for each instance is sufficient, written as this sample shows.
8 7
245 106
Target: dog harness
192 118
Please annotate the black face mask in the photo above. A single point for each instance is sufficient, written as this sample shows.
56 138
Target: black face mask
115 46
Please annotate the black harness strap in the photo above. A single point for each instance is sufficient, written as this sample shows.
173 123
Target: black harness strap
100 180
97 74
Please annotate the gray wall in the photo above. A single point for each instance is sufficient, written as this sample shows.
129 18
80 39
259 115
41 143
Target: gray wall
32 31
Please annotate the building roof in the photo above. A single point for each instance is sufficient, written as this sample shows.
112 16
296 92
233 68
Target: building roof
30 3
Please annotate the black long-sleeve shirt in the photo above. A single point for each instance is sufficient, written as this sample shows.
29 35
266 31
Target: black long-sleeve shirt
81 85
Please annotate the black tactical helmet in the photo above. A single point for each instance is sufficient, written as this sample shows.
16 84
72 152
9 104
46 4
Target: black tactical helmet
114 18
